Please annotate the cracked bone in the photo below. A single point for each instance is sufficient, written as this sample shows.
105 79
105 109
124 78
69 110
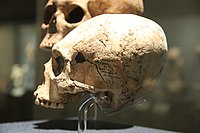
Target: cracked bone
115 57
62 16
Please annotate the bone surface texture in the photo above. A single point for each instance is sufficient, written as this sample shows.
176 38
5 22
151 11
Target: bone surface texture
62 16
115 57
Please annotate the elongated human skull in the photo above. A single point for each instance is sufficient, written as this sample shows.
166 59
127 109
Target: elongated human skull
62 16
115 57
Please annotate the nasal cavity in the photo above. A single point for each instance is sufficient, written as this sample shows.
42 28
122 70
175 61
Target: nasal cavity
76 15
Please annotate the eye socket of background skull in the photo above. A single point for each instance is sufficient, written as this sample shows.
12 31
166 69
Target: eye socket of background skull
76 15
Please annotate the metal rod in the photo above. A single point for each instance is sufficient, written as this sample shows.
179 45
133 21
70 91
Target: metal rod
83 113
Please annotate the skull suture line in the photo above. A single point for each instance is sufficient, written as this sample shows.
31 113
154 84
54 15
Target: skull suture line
115 57
62 16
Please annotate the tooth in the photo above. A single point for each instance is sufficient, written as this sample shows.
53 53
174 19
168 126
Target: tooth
37 101
53 105
42 103
46 105
60 106
35 94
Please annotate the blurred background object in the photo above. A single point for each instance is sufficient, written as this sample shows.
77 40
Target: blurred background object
173 105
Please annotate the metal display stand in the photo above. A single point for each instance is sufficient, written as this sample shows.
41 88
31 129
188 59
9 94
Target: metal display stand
92 102
83 114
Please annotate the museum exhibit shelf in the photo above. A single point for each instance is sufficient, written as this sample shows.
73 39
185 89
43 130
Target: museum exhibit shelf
70 126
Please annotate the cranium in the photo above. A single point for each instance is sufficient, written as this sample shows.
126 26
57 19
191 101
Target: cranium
115 57
62 16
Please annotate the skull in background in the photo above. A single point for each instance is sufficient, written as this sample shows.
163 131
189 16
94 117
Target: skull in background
115 57
62 16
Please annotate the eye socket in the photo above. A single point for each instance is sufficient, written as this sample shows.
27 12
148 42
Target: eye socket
80 58
75 16
49 11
